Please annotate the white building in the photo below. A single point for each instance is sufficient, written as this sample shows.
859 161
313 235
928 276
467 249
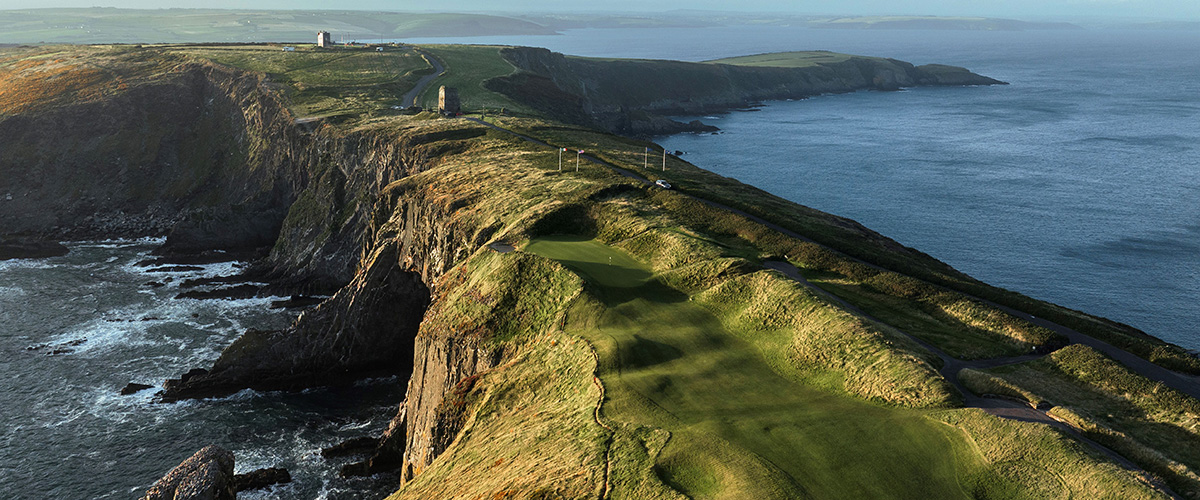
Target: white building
323 39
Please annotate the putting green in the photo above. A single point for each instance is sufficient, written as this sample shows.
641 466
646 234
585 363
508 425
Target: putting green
739 429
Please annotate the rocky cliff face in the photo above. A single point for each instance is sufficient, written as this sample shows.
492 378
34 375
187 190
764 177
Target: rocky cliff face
634 96
199 139
210 157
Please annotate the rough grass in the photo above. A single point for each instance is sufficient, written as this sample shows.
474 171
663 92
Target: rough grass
353 82
1152 425
1043 461
738 428
467 67
530 429
37 79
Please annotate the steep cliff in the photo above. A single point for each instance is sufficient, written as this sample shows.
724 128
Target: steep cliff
635 96
173 138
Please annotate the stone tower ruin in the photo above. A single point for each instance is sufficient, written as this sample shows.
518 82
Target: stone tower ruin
448 100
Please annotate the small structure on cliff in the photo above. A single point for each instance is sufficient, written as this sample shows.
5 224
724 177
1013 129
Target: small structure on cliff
323 39
448 101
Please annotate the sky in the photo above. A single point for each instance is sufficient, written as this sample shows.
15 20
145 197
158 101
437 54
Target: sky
1018 9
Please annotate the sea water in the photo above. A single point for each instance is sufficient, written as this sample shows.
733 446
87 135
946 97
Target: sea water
75 329
1078 183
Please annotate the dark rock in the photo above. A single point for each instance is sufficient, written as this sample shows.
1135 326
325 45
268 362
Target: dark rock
134 388
351 447
230 293
236 229
261 478
192 259
389 449
297 301
174 269
29 248
155 284
194 372
365 329
215 280
207 475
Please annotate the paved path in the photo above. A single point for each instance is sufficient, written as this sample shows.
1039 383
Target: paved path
410 97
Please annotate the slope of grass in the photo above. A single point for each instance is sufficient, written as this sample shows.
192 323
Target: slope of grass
1152 425
348 81
741 429
467 67
964 328
738 428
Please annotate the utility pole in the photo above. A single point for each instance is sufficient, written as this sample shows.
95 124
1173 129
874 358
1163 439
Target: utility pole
664 159
560 152
577 159
645 158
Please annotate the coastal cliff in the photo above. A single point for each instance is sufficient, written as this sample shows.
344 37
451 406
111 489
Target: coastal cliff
637 96
422 227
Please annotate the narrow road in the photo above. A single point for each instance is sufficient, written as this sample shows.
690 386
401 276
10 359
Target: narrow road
410 97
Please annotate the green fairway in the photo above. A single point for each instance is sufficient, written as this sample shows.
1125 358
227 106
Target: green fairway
739 429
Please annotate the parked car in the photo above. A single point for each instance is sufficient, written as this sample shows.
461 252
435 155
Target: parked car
662 184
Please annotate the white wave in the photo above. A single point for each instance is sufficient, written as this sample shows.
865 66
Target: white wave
116 243
9 264
11 292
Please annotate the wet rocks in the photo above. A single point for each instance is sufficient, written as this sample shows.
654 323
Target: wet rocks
261 478
30 248
207 475
387 452
134 388
174 269
354 446
366 328
297 301
245 291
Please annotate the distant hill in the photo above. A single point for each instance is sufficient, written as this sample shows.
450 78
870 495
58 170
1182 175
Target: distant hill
108 25
938 23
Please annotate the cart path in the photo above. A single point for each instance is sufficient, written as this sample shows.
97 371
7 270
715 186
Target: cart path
410 97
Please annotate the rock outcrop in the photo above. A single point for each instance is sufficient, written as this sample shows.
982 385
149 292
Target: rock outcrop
261 478
207 475
30 248
366 328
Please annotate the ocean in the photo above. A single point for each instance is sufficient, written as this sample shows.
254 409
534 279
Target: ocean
1078 183
75 329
